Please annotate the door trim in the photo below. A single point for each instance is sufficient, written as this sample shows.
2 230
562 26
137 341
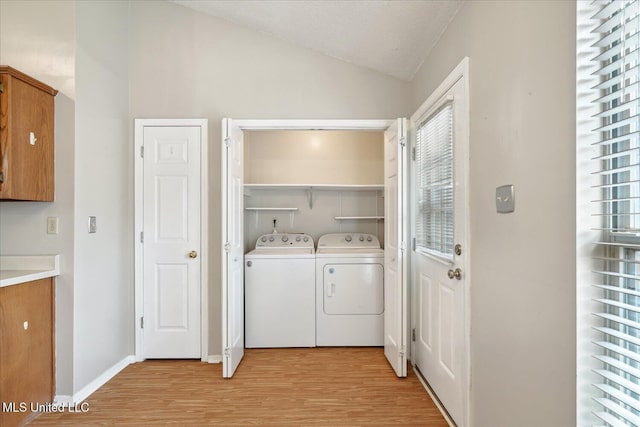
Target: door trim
460 72
304 124
139 125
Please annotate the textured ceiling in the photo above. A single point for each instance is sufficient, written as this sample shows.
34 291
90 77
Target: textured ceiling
393 37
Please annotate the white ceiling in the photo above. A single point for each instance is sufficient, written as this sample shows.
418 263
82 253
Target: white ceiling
390 36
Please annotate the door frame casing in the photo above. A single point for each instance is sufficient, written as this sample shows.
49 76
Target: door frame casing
306 124
139 125
460 72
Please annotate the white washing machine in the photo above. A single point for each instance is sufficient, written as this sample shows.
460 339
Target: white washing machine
349 290
279 286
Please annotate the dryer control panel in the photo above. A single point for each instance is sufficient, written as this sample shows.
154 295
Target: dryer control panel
349 240
285 240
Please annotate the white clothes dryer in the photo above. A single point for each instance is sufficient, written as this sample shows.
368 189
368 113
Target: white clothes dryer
349 290
280 292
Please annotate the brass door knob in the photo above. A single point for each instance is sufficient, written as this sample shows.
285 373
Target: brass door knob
193 254
455 274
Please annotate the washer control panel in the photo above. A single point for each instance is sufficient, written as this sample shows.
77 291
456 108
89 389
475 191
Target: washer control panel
285 240
349 240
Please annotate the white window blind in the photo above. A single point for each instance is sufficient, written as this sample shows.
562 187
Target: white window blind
434 183
617 391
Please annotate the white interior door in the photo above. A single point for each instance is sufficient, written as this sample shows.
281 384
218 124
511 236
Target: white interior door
440 258
395 283
233 265
171 241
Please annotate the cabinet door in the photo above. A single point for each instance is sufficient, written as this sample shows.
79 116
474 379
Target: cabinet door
26 141
26 347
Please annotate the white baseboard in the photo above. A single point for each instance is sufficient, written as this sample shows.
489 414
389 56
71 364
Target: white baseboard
214 358
94 385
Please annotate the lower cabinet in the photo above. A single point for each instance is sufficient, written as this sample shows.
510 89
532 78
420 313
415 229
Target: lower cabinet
27 374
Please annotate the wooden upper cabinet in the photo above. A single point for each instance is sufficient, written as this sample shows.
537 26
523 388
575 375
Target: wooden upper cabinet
26 137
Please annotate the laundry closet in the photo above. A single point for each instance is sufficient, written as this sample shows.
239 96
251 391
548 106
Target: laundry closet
291 187
312 186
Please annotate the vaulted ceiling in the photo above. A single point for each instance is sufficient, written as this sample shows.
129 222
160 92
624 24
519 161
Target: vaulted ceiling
390 36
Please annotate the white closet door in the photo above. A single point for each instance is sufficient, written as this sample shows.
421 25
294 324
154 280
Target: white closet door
233 265
395 283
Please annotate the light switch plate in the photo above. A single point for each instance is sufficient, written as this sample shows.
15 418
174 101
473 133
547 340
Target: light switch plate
52 225
505 199
93 226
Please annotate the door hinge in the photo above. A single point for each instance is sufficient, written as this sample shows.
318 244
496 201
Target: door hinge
413 153
227 247
403 141
142 151
227 141
227 352
413 334
142 237
413 243
142 322
402 351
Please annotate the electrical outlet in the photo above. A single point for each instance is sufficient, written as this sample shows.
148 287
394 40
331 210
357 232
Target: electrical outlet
52 225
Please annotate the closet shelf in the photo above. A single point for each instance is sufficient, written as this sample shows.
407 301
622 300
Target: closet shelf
270 209
313 187
339 218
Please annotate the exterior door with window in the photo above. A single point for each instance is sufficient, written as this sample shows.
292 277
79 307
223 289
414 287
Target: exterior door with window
440 256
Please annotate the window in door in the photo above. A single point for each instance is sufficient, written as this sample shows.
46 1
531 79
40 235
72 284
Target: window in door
434 182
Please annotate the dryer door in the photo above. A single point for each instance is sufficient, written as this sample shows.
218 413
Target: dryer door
353 289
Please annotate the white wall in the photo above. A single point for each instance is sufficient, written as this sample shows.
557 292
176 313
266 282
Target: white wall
317 220
522 83
187 64
81 49
104 260
314 157
38 38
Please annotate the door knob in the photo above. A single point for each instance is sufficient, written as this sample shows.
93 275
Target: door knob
455 274
193 254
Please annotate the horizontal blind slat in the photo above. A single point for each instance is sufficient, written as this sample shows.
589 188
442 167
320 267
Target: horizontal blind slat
619 410
610 419
620 350
617 379
618 319
617 139
619 290
617 274
617 79
617 394
619 124
620 335
612 303
617 364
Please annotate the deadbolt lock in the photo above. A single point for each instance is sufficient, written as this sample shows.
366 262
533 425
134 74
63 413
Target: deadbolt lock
458 249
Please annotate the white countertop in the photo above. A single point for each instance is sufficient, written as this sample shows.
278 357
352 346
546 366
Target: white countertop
15 269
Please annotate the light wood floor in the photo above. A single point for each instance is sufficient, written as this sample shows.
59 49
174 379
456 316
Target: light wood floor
277 387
